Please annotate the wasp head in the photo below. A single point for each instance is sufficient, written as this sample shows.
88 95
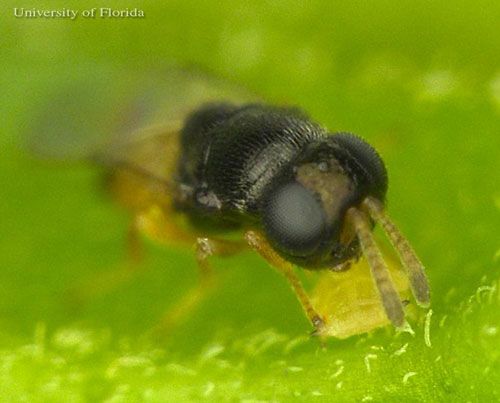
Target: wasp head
304 212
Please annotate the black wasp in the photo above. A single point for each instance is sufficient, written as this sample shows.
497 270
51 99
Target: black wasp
202 165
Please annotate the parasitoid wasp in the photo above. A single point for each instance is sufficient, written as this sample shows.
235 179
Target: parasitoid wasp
193 158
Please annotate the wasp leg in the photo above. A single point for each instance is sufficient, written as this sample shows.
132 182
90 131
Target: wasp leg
154 224
208 280
135 248
259 244
103 283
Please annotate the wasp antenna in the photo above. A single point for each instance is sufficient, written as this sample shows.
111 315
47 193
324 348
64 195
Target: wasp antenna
414 268
380 273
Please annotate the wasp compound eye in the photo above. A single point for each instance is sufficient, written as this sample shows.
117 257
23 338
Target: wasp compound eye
367 160
294 219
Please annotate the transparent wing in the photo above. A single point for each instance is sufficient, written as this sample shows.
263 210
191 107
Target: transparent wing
125 119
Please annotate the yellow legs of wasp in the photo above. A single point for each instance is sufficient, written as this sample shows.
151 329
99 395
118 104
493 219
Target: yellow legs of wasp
105 282
155 223
260 245
158 225
359 220
205 248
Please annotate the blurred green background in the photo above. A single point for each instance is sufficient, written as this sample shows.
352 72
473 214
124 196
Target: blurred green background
420 80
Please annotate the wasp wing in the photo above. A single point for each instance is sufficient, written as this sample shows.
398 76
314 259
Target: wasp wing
127 120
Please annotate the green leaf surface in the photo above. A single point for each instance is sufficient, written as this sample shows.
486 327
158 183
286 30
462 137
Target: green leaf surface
419 80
